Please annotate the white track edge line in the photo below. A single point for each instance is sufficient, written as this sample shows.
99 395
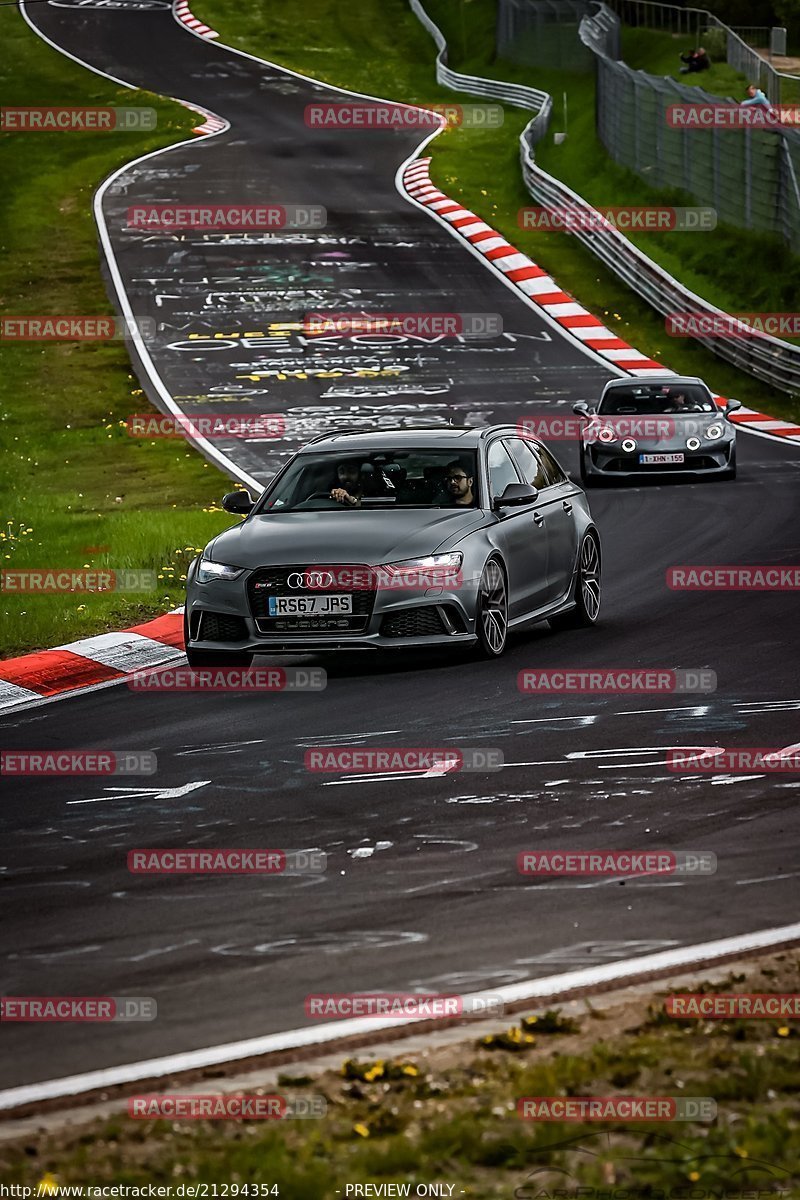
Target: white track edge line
665 961
209 451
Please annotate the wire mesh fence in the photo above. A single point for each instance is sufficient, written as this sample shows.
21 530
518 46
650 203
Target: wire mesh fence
741 43
748 175
543 33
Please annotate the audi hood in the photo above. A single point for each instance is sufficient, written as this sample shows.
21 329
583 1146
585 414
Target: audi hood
370 536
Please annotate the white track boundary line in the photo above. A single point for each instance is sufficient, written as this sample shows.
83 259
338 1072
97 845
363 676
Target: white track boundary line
203 444
665 962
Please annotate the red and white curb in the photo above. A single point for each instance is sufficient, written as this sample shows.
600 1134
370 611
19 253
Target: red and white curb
212 123
185 14
542 290
91 662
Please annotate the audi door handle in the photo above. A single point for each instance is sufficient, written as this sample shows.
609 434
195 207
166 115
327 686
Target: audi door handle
567 506
538 518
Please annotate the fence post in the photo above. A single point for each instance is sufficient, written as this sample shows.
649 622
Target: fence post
748 178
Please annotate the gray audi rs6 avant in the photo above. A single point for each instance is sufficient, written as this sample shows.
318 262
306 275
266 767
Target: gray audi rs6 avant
668 424
394 539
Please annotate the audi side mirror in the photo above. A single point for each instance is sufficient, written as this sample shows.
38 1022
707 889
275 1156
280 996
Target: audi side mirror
515 495
240 503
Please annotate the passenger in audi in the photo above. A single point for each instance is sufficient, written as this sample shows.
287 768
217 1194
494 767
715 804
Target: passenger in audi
349 488
458 483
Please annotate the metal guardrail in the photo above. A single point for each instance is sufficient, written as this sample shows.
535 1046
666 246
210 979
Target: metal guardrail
511 93
767 358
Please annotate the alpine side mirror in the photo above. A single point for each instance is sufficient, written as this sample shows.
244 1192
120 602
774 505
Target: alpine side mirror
732 405
240 503
581 408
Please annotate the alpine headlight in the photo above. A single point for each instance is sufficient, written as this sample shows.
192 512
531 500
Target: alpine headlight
713 432
607 434
208 571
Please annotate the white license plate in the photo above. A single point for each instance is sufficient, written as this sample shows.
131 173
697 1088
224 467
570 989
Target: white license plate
309 606
655 459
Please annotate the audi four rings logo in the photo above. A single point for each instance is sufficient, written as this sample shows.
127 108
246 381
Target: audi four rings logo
310 579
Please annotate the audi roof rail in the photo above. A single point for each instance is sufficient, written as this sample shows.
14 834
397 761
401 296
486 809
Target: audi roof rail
390 429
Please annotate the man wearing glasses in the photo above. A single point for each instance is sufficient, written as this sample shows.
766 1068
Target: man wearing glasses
459 485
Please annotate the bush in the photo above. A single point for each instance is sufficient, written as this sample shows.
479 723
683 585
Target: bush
715 42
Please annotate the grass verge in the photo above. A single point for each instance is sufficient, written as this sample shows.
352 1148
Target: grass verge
77 490
450 1115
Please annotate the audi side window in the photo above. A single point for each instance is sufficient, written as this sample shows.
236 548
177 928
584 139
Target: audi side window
528 462
551 468
501 469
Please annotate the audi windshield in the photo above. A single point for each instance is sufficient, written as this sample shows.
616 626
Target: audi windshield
406 478
648 399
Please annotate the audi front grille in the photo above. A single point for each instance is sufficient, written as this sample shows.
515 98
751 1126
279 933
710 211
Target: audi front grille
274 581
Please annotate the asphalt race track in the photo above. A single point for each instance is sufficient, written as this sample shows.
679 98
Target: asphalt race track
421 890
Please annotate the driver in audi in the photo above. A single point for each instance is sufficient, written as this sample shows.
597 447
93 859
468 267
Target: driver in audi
350 487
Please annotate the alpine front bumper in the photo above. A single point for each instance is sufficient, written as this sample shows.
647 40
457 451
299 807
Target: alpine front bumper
612 462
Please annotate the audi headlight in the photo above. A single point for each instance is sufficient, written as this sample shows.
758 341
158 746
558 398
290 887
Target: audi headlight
714 431
435 570
208 570
437 562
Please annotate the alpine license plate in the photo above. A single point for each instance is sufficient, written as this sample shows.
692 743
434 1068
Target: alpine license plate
655 459
309 606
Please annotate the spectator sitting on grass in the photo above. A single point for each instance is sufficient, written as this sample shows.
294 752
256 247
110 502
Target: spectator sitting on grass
696 60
